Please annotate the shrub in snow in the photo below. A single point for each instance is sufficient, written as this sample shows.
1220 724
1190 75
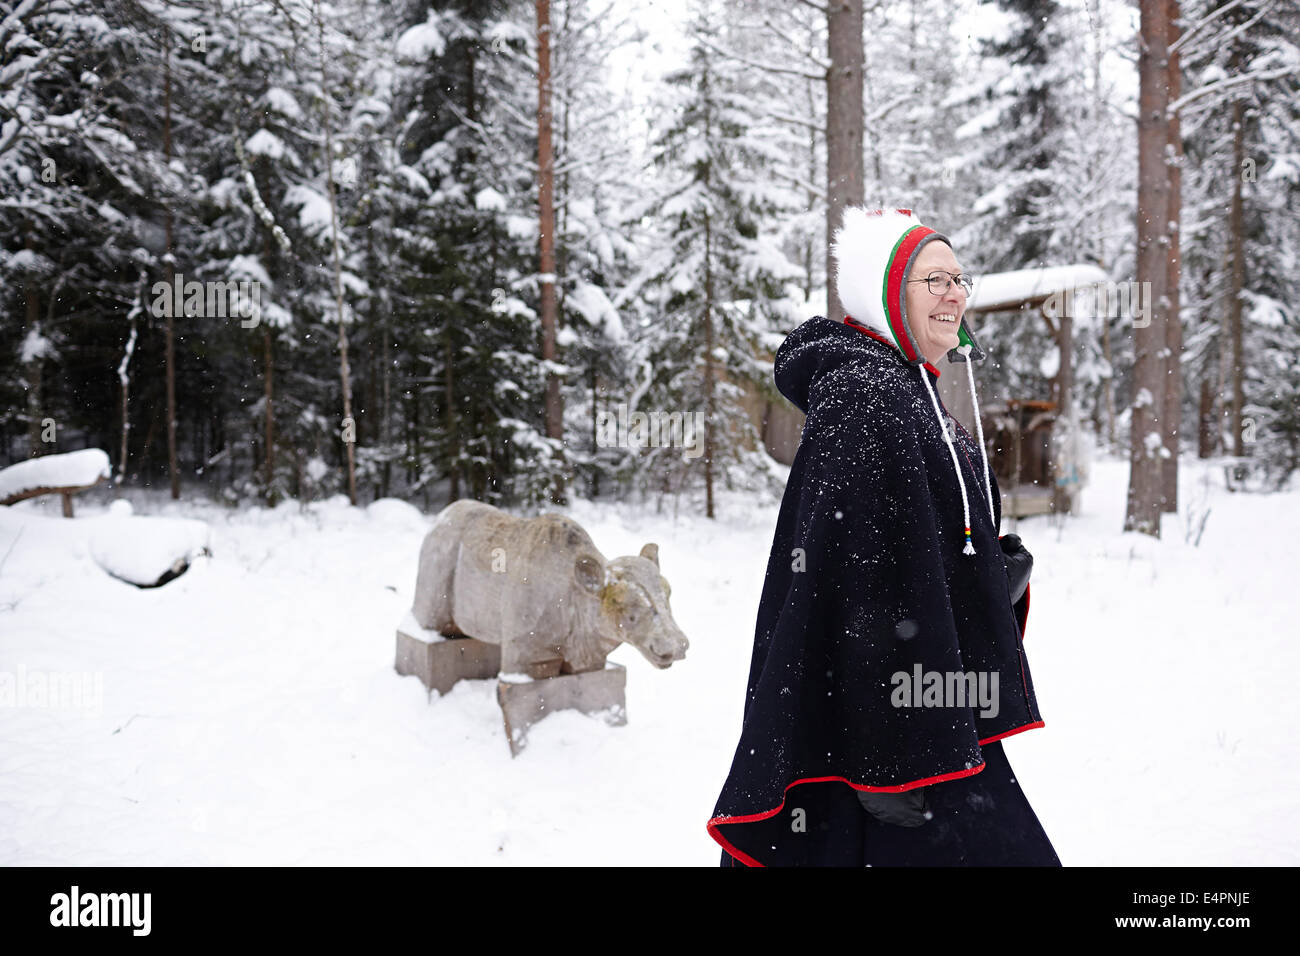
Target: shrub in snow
147 552
395 512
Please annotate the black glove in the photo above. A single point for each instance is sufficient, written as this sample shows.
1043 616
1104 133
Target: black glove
1019 563
907 809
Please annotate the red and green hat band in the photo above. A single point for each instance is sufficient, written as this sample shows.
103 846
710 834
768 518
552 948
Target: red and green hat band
900 260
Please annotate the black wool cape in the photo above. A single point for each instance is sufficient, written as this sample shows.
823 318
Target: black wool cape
866 581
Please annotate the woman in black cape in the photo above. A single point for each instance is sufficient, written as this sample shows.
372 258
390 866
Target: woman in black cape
888 661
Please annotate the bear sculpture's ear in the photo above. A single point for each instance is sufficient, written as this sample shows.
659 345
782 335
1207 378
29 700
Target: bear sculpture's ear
590 573
651 551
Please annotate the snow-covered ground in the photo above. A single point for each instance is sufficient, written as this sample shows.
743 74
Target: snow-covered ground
248 712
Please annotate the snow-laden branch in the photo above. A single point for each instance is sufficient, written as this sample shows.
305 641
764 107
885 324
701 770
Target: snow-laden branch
137 309
819 62
812 188
1210 18
883 111
259 207
794 121
1226 82
767 68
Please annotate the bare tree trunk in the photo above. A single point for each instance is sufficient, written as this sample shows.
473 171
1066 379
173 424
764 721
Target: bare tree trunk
268 377
709 422
1061 493
1108 383
593 379
349 424
268 369
1143 510
844 183
811 197
1237 241
173 465
124 374
385 428
1205 419
34 367
546 210
1173 397
453 440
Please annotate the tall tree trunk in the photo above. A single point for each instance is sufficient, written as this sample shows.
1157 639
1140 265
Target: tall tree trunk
844 121
1143 510
169 260
35 365
268 380
268 376
124 374
453 439
385 427
1108 383
546 219
349 424
1237 244
709 420
1222 401
810 197
1205 419
595 415
1173 397
1061 493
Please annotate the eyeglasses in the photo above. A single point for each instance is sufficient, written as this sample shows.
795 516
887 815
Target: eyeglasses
940 282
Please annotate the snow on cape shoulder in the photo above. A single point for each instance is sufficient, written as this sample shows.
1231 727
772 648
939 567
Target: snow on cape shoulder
1009 289
141 550
70 470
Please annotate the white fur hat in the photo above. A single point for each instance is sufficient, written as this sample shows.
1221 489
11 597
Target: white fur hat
874 250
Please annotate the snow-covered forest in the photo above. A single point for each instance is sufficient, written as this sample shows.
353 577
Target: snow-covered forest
369 171
306 271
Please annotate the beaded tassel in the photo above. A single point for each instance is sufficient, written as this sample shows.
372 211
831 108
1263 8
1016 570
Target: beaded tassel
961 482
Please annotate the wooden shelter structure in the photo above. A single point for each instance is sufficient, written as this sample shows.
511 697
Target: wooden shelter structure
1038 471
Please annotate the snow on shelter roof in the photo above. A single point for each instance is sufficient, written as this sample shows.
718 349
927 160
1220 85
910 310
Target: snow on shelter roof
1011 290
72 469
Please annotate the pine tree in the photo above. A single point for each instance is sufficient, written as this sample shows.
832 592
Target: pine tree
718 278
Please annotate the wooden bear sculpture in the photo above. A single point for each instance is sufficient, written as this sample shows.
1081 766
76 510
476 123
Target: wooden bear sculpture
540 589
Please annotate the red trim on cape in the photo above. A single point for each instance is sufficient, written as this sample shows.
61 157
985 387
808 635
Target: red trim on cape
853 324
1010 733
748 860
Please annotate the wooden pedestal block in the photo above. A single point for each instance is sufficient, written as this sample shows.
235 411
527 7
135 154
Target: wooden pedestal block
440 661
525 702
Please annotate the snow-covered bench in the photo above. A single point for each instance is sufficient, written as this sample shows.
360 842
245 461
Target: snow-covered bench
64 475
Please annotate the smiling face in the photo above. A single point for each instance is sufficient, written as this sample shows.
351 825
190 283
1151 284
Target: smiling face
934 319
